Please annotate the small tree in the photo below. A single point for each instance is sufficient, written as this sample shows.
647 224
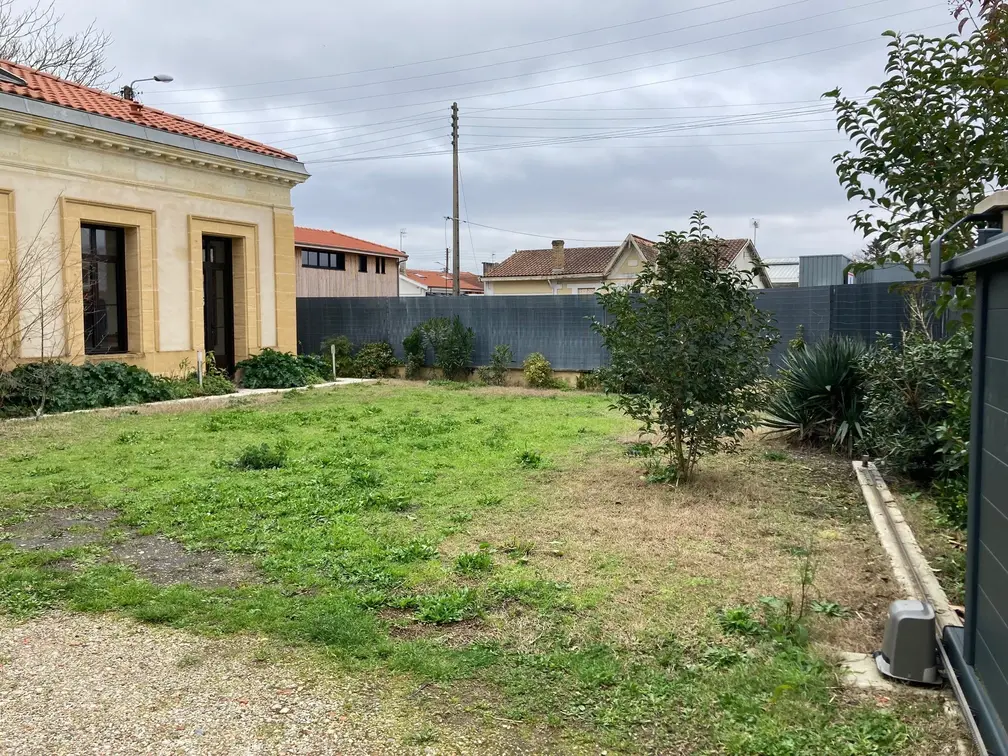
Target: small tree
687 348
928 142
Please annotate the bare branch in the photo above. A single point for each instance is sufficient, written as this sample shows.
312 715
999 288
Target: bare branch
33 38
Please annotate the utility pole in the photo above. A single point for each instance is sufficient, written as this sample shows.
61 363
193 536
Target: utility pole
455 199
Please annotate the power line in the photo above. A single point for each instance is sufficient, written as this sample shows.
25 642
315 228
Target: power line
324 163
527 59
627 87
764 118
527 233
649 66
458 56
465 205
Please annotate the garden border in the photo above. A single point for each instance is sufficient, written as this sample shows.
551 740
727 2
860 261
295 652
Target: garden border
195 400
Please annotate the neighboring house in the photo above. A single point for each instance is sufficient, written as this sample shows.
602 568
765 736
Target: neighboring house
331 264
146 237
582 270
426 283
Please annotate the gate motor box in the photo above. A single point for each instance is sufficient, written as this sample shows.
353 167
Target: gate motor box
908 647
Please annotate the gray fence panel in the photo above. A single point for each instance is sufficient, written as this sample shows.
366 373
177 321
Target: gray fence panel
809 308
560 327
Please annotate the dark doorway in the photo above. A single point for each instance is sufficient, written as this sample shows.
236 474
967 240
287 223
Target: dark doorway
218 301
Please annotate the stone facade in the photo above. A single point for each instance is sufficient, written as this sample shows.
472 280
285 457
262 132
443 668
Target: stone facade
56 175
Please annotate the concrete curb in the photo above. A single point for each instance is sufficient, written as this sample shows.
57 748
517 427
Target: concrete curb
913 573
194 402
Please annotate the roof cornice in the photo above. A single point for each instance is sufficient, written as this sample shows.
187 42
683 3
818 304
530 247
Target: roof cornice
42 120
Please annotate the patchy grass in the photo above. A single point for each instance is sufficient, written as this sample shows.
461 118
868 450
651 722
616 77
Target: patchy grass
943 544
499 548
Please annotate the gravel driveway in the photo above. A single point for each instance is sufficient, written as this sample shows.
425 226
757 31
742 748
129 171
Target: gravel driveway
84 684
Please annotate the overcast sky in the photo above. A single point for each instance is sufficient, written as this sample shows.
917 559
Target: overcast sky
580 120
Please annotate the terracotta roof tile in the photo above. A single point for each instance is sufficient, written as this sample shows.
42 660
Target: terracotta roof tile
438 280
588 260
539 262
47 88
317 237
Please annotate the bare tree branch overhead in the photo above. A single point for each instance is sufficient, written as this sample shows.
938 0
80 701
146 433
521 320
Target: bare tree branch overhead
32 35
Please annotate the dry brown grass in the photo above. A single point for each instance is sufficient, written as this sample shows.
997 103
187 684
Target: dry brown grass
647 558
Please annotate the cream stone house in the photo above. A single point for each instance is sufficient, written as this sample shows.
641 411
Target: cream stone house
135 235
583 270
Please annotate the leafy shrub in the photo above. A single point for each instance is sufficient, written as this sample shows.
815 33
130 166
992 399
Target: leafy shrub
539 372
273 369
918 412
495 373
62 387
261 457
687 347
819 394
452 343
474 562
374 360
344 358
413 345
316 365
588 381
917 397
739 620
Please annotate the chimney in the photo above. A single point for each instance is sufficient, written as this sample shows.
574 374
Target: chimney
558 256
487 267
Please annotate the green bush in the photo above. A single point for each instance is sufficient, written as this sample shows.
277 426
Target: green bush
413 345
818 398
261 457
374 360
495 373
273 369
452 343
918 404
52 387
62 387
918 412
539 372
316 365
344 357
589 381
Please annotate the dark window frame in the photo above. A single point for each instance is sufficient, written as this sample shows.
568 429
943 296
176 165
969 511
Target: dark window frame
362 263
313 258
380 265
90 255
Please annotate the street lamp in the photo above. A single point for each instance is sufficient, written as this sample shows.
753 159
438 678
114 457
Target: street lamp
129 92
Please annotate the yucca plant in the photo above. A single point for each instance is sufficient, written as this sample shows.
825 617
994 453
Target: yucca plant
818 395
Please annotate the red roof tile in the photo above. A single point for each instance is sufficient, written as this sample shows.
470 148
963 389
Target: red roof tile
539 262
47 88
587 260
317 237
438 280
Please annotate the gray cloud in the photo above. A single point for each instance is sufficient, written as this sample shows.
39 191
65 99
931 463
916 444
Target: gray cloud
540 159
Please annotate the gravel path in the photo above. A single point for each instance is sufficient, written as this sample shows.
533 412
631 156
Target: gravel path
83 684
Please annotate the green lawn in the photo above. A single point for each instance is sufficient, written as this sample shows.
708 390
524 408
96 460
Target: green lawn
498 543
